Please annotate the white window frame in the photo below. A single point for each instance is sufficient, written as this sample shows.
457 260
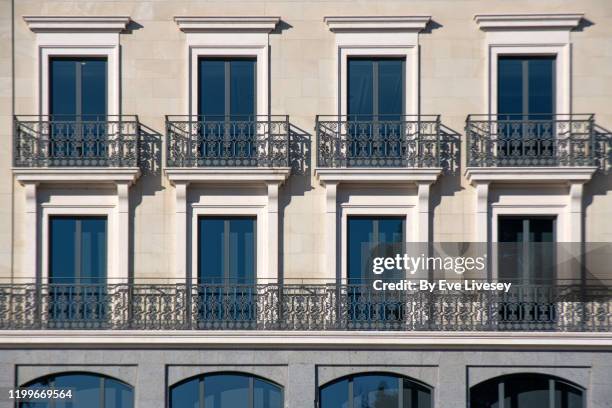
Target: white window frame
77 37
529 35
227 37
379 37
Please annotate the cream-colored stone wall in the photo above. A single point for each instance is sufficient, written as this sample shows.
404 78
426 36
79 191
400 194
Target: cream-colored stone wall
302 80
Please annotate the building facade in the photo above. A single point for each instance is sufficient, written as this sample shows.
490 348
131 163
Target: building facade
188 189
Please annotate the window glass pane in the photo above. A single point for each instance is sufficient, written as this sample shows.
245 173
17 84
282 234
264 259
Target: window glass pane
567 396
369 237
62 87
526 392
375 391
211 251
360 87
390 88
510 85
541 86
86 390
211 93
227 249
415 395
62 267
242 88
242 250
335 395
93 88
185 395
267 395
93 250
226 391
117 395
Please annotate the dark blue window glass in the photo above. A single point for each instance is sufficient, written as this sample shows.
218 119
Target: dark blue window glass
526 86
77 106
77 270
226 391
226 272
88 391
369 237
226 105
227 248
375 391
361 88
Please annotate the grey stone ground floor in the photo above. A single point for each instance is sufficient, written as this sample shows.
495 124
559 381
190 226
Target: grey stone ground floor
301 371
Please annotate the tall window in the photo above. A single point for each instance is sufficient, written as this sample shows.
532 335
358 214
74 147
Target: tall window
88 391
375 109
527 258
77 106
226 391
226 105
77 269
526 105
375 391
526 391
526 249
227 270
370 237
526 87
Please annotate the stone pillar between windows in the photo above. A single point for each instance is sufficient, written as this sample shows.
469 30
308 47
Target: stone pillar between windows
331 218
272 271
29 266
575 212
180 239
423 212
482 212
123 232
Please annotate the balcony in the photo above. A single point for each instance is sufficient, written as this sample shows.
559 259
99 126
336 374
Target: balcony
227 141
532 141
55 141
385 142
560 307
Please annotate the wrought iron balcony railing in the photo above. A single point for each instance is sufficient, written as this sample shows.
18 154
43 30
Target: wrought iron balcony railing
317 307
227 141
532 140
76 141
378 141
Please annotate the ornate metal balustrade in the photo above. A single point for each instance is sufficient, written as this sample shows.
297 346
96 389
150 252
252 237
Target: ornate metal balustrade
533 140
227 141
70 141
382 141
321 307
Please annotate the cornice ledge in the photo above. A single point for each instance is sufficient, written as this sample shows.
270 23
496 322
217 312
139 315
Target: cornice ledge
228 174
378 175
559 21
40 24
545 175
76 174
377 23
262 24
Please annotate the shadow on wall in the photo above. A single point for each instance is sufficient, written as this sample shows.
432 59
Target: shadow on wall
601 182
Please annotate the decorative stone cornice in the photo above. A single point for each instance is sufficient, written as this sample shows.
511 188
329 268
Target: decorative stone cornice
226 24
540 175
228 175
559 21
395 23
89 175
40 24
377 175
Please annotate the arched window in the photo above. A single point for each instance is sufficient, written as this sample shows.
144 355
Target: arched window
88 391
226 390
526 391
376 390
